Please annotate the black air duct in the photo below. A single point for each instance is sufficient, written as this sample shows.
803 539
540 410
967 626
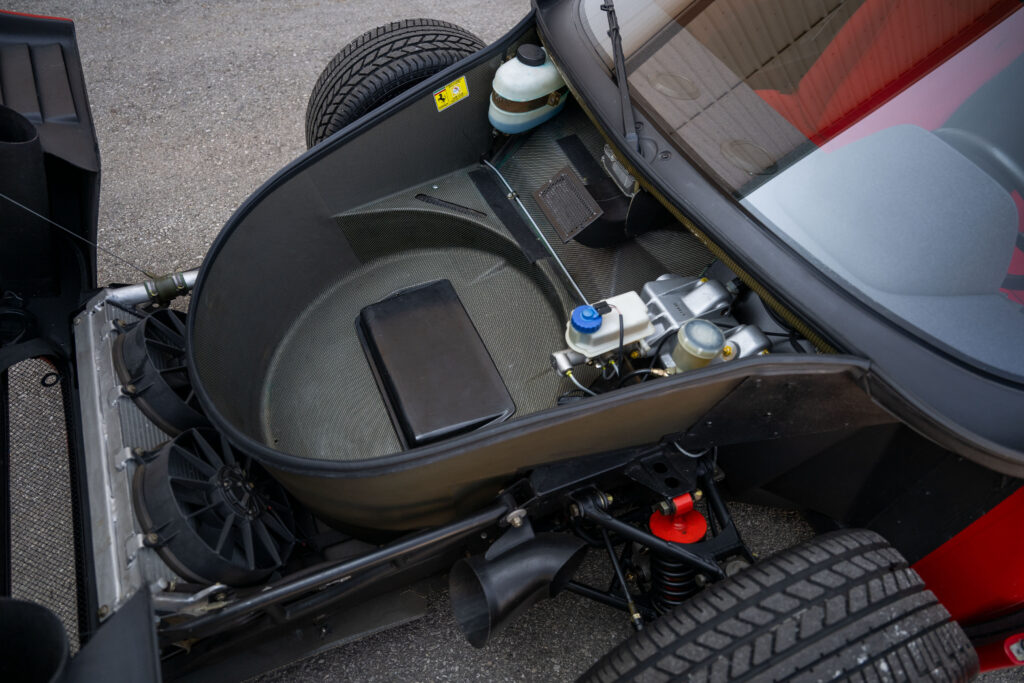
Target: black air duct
33 644
23 179
518 570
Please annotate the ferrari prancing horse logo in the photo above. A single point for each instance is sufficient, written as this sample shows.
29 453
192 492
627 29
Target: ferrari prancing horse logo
451 93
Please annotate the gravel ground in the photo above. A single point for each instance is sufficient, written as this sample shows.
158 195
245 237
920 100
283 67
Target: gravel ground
196 104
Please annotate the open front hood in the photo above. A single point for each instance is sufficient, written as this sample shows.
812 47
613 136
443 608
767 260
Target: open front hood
962 408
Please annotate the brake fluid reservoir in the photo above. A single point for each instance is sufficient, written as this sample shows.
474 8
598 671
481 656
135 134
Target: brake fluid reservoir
591 334
527 90
698 342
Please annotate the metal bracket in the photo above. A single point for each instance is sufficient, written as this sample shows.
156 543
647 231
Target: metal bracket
190 603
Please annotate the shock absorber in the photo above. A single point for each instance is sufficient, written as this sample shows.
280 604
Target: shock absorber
673 581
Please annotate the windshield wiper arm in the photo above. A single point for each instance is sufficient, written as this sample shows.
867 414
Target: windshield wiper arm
619 60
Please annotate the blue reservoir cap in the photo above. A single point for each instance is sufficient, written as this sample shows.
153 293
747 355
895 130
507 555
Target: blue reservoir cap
585 319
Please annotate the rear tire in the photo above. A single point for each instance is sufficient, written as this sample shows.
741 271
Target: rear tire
379 65
844 605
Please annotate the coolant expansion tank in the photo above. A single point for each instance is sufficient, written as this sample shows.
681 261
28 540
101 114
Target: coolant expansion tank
527 90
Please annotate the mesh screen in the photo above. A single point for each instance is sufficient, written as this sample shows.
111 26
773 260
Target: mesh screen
567 204
43 568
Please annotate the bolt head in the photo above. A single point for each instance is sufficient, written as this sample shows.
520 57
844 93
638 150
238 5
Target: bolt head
665 507
152 539
697 495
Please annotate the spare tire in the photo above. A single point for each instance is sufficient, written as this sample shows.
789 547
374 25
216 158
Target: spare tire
844 605
379 65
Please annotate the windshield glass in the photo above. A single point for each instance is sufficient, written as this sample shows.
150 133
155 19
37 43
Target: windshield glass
880 138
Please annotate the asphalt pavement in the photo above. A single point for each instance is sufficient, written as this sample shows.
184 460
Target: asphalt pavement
196 104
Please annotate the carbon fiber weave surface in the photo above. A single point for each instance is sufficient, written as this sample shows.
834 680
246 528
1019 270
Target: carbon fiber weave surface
319 399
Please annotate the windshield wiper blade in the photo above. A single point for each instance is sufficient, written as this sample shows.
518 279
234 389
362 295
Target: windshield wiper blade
619 65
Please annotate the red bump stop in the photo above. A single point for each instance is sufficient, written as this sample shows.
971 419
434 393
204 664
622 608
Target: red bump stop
685 525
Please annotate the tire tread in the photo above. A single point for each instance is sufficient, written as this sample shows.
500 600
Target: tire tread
378 65
844 606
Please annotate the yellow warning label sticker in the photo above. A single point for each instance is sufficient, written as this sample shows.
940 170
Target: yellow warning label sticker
451 93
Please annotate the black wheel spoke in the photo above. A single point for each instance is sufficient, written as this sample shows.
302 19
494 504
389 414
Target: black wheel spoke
175 350
274 524
228 451
199 464
191 482
193 497
211 455
179 323
224 531
192 491
199 511
172 336
250 553
267 541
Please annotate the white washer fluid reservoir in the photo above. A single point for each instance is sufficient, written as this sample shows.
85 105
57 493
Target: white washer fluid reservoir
527 90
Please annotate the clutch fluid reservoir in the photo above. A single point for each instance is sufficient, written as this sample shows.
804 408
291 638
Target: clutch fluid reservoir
698 342
527 90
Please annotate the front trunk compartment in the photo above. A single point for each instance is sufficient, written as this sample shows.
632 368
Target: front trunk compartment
401 199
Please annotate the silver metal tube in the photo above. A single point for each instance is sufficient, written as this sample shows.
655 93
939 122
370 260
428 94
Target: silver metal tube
167 287
536 228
